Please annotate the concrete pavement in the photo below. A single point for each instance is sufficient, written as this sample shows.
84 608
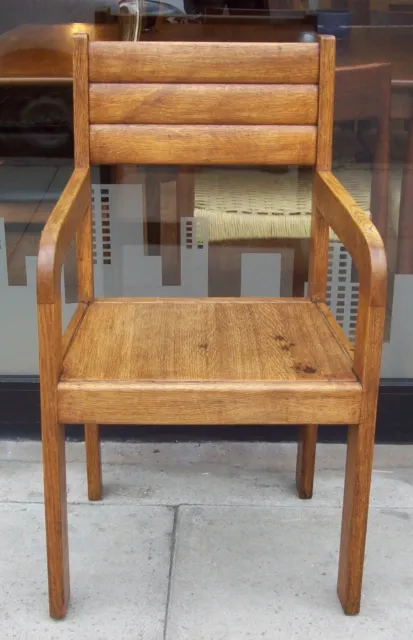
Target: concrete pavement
204 542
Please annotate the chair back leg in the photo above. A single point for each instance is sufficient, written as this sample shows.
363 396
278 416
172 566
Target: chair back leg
93 462
307 443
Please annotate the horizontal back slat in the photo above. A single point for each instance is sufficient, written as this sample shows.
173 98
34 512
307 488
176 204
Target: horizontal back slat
203 104
202 144
203 62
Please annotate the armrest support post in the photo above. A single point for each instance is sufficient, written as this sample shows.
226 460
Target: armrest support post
318 266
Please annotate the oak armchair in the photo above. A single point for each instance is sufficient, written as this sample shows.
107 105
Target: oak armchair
209 361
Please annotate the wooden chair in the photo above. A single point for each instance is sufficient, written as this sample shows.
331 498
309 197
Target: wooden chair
209 361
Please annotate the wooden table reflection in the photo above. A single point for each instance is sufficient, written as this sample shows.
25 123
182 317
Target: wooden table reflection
42 54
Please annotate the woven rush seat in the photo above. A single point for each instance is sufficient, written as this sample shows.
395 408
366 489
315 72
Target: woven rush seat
254 204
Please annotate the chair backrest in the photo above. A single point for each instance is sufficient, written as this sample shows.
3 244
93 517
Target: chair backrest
204 103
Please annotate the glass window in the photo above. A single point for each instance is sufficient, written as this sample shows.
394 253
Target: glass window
216 230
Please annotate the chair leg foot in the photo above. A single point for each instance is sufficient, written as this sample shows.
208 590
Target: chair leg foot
93 462
307 443
355 512
54 468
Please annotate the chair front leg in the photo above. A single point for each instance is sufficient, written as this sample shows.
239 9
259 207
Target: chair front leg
54 470
54 459
355 511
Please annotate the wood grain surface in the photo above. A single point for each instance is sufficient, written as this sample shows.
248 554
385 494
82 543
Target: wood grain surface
319 242
58 234
202 144
54 459
205 341
356 231
73 326
229 62
319 249
360 450
81 100
306 452
84 252
209 403
203 104
211 361
365 245
337 330
326 102
25 59
93 461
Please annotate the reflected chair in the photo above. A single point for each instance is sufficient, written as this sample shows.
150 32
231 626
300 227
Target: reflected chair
236 16
163 241
208 361
255 211
405 221
248 210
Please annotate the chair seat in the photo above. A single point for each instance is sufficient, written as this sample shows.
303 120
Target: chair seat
252 204
206 361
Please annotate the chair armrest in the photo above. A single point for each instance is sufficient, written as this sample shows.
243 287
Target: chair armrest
363 242
357 233
58 234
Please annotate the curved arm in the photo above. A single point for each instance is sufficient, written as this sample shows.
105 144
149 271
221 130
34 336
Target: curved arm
58 234
357 233
363 242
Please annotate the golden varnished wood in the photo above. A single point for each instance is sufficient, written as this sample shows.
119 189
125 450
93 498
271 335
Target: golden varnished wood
213 361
